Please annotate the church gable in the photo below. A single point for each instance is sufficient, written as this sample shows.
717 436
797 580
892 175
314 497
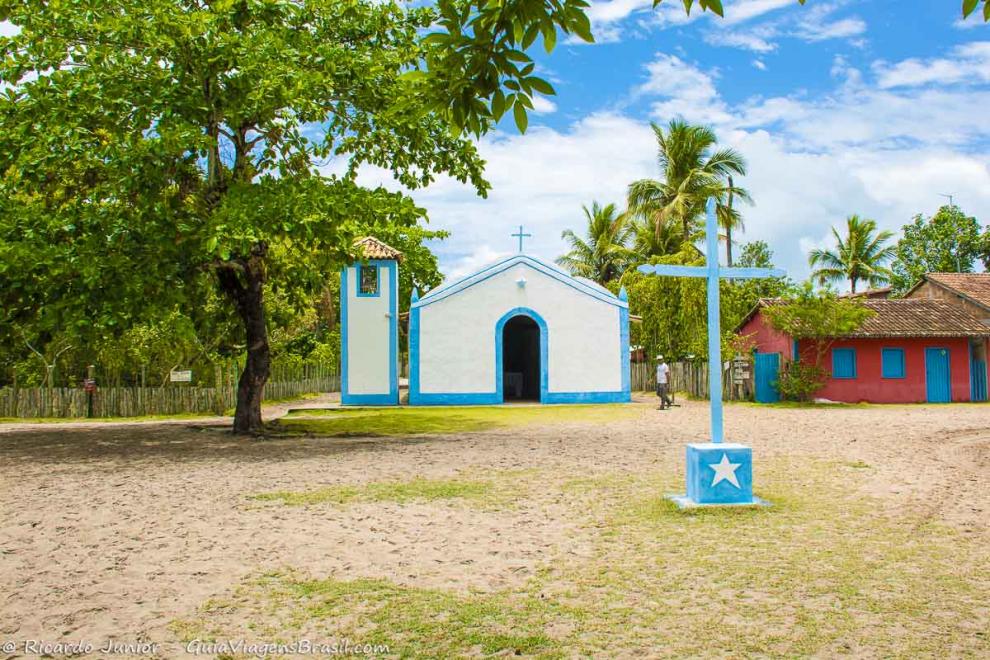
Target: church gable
525 268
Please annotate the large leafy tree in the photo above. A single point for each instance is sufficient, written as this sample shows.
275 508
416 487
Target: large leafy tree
152 149
949 241
693 170
604 252
859 256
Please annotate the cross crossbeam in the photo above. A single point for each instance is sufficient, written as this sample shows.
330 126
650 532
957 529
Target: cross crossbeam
712 272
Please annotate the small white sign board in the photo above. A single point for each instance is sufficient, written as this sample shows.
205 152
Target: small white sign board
180 376
740 370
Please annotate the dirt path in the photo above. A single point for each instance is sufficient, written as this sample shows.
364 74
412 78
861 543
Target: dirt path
114 530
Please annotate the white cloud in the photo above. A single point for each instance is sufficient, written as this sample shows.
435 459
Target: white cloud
744 10
745 40
859 149
543 106
685 89
759 65
969 63
813 160
612 11
814 31
539 180
611 20
817 23
473 262
809 24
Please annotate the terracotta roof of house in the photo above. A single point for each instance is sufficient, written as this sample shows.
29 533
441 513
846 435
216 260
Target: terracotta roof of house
372 248
908 317
881 292
975 286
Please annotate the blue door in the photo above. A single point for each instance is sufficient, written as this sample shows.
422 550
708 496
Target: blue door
767 366
978 377
937 381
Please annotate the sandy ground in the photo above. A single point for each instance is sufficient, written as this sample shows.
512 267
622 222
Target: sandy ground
114 530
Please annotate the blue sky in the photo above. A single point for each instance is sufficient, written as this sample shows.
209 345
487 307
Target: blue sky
848 106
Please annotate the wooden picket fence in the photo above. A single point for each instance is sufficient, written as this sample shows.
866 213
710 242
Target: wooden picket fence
179 398
173 399
691 378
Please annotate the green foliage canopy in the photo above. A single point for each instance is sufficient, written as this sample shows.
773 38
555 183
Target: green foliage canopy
949 241
818 315
604 253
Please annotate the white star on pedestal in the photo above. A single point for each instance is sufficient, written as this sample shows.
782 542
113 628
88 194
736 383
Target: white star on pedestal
725 471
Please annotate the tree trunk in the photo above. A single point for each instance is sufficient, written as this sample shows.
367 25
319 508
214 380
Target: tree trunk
728 246
728 230
243 281
852 285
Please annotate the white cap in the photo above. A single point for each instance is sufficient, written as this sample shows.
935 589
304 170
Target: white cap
659 357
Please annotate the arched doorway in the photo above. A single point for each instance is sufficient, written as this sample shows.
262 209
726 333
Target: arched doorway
521 359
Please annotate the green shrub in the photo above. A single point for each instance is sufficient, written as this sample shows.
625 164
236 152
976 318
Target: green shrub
799 381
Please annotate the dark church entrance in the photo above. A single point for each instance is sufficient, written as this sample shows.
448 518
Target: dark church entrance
521 360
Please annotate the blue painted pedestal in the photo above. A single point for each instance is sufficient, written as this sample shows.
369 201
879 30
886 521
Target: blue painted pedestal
719 474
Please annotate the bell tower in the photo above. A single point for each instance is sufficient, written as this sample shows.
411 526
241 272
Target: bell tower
369 326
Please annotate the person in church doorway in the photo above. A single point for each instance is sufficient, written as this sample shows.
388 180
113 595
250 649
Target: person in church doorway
663 383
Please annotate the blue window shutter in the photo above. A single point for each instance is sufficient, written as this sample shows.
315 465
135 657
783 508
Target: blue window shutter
892 362
843 363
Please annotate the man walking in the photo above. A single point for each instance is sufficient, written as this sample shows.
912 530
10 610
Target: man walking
663 376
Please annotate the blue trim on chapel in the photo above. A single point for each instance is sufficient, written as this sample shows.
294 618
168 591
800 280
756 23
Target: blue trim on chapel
544 351
390 398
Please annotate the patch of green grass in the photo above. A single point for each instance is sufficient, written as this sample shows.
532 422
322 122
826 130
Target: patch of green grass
418 489
409 621
306 396
365 422
822 572
857 464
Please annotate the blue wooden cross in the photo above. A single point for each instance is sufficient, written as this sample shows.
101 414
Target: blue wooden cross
712 271
717 472
521 235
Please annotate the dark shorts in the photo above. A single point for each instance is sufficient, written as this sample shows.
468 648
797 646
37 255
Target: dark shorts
662 390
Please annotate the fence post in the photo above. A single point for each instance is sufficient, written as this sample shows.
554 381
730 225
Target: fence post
90 375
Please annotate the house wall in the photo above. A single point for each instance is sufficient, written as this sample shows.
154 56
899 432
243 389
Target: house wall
369 338
768 339
456 343
869 385
928 289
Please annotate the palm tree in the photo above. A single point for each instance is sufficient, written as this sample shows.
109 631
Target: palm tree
729 219
692 172
647 242
604 253
860 256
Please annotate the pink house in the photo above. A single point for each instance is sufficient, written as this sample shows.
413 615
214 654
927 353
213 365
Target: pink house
911 350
